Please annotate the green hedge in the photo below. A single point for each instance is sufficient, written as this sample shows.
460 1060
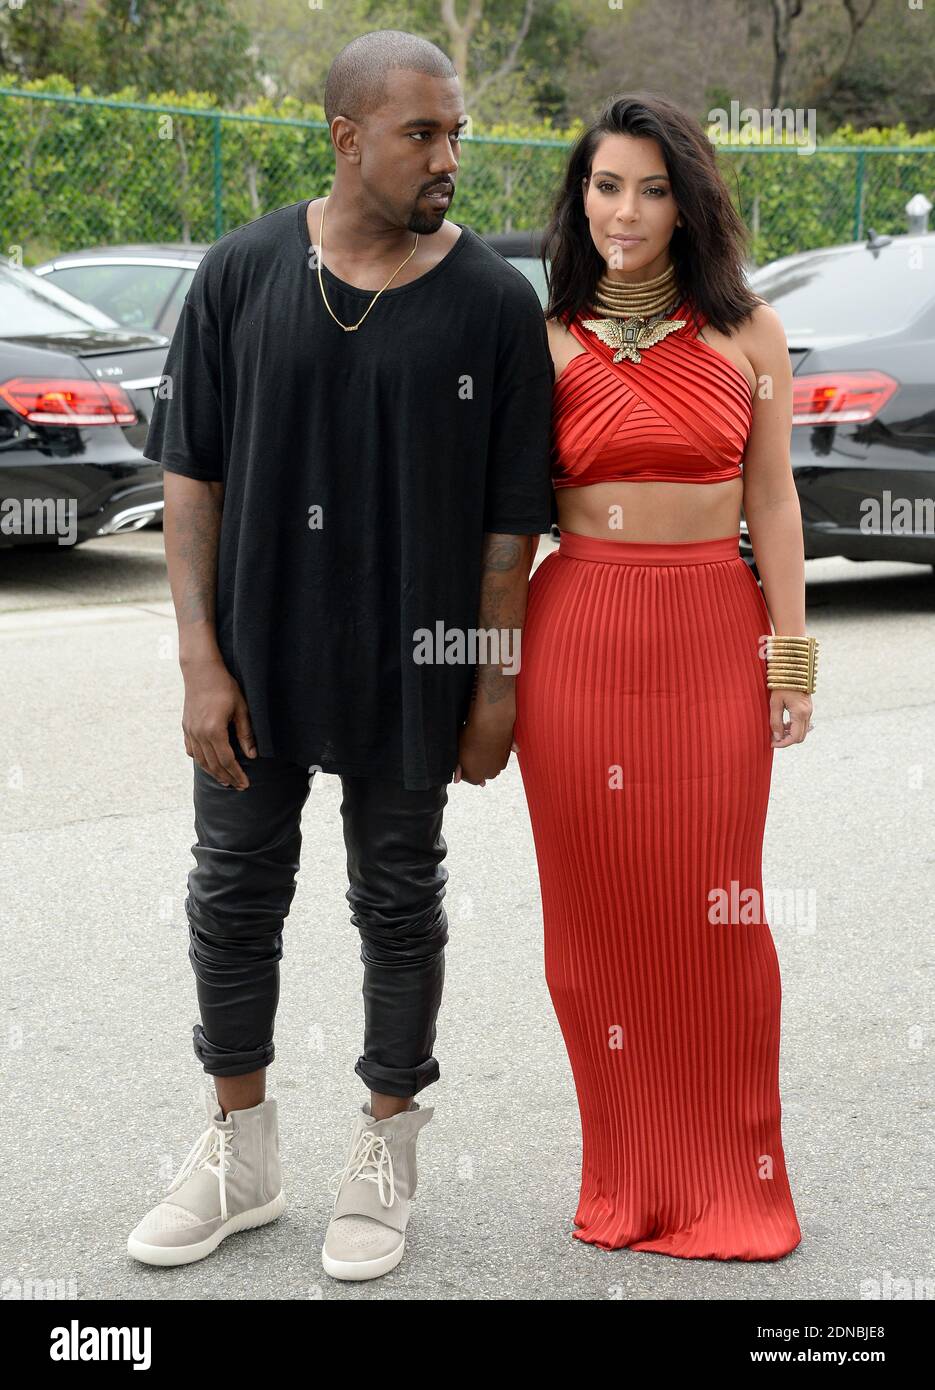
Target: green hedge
88 172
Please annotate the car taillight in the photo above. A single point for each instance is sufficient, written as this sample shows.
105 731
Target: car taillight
44 400
838 398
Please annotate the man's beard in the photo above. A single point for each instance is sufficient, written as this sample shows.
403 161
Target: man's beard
426 223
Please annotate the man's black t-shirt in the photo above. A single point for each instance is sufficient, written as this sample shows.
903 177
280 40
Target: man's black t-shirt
361 471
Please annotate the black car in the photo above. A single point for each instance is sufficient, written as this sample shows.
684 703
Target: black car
860 324
76 394
138 286
523 249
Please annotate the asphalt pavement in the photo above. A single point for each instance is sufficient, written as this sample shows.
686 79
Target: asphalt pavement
102 1087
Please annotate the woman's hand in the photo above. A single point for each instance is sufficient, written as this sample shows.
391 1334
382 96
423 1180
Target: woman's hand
799 706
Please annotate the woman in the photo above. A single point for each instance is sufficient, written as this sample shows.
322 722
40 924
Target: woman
648 701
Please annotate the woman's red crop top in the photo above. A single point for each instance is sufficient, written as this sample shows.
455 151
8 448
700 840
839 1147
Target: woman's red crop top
682 414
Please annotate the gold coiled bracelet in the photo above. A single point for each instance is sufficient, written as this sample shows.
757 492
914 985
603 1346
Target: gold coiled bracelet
791 663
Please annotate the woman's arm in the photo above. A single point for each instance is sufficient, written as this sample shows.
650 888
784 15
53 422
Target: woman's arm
770 501
771 504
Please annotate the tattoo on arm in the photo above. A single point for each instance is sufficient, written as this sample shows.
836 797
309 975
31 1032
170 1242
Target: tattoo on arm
502 553
504 584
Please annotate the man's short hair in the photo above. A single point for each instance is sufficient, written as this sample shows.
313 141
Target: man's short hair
356 82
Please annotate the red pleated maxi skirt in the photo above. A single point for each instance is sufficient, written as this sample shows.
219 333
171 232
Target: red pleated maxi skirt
644 745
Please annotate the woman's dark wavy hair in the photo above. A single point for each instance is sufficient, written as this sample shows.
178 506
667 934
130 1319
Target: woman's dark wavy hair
707 252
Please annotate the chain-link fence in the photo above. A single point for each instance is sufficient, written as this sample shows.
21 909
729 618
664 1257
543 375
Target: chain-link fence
82 172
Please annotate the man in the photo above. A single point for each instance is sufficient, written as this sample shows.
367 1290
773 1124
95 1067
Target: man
356 448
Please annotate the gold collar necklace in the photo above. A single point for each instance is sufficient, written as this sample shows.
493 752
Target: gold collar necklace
352 327
634 314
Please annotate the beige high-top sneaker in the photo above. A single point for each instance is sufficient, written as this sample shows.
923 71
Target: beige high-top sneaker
366 1235
230 1181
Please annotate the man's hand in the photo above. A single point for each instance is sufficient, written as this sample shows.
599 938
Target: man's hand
214 700
485 744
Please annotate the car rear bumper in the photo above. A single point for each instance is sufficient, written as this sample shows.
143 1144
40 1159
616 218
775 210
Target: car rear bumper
862 502
127 512
829 539
70 505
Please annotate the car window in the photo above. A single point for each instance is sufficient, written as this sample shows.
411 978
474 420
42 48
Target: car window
170 315
857 294
28 305
131 294
534 271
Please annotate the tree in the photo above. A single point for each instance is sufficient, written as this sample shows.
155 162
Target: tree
158 45
510 54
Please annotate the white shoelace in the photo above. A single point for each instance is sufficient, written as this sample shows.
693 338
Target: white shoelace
214 1143
371 1161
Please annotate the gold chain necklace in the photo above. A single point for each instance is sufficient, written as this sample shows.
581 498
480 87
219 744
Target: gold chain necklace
352 327
634 315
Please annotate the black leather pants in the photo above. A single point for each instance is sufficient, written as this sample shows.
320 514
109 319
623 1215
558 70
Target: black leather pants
240 892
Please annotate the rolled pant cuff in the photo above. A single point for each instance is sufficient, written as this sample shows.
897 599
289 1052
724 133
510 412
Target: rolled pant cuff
397 1081
225 1061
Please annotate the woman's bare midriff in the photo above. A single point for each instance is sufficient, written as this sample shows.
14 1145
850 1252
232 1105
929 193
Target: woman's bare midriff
652 511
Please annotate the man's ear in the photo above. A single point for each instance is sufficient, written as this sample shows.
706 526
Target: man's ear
345 136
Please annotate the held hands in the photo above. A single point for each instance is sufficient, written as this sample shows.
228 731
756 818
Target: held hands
799 706
485 743
213 701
